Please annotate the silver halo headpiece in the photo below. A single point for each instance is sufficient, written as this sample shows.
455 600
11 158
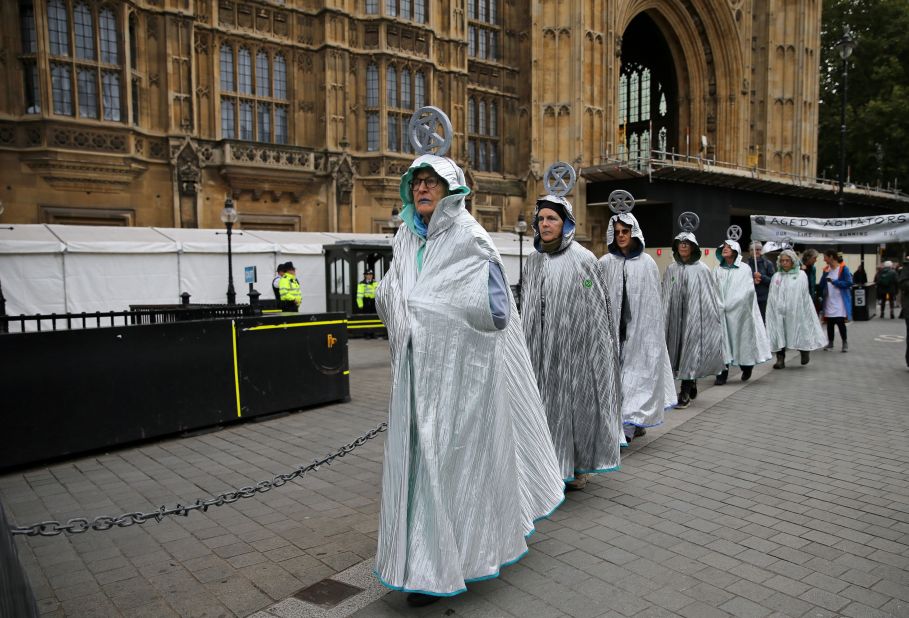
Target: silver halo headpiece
689 221
559 179
430 131
620 201
734 232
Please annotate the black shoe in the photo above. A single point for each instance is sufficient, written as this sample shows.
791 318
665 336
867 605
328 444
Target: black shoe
746 373
780 362
683 403
639 431
806 356
694 391
721 378
417 599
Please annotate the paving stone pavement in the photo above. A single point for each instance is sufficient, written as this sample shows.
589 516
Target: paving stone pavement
787 495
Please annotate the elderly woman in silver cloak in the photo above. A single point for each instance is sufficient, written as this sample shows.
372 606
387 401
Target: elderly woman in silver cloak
744 338
567 324
694 327
469 463
792 321
633 282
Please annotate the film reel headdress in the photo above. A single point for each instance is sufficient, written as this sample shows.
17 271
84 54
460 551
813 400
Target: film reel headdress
734 232
689 221
430 131
620 202
559 179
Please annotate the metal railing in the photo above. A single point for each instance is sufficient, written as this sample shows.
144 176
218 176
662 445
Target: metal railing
137 314
660 159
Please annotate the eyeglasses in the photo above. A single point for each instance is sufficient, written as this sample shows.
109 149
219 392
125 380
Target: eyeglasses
431 182
622 232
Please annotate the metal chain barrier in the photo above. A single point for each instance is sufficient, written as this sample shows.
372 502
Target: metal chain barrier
105 522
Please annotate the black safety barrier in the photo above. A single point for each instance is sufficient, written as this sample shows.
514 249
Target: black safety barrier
73 391
365 325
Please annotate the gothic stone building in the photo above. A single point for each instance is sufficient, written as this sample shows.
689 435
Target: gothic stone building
149 112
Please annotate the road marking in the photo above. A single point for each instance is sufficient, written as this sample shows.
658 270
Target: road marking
890 338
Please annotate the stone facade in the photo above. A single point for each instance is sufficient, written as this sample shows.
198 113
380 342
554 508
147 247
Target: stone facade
149 112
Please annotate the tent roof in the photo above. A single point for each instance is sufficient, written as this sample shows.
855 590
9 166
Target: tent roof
29 239
208 240
112 239
294 243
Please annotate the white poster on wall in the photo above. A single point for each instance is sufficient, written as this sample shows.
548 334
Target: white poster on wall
850 230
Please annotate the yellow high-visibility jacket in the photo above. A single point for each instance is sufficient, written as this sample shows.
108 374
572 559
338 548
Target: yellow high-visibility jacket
289 289
366 290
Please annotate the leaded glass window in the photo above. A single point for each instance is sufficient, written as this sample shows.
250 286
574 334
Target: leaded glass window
89 82
110 50
372 86
257 109
58 28
85 34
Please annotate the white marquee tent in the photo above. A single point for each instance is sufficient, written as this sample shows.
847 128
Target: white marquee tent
69 269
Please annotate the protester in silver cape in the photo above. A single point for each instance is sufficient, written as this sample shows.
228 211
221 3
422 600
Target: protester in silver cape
469 463
792 321
633 283
694 326
744 338
567 323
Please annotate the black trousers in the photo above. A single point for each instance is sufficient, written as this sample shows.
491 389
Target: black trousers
840 323
884 299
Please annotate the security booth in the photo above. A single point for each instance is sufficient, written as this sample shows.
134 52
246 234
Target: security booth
346 262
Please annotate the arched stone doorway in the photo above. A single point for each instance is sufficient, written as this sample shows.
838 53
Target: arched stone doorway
647 99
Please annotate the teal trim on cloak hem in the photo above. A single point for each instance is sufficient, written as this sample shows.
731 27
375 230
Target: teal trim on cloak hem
472 580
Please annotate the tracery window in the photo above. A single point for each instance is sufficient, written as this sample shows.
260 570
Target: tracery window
647 123
87 83
405 91
483 134
638 117
483 33
29 35
415 10
254 103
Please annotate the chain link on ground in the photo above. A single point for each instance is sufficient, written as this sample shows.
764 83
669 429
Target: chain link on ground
78 525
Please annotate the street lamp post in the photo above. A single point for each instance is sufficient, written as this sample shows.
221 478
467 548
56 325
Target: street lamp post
844 46
229 216
395 221
520 229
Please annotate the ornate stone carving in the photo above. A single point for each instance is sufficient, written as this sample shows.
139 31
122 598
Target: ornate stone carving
188 170
153 79
88 140
201 43
151 27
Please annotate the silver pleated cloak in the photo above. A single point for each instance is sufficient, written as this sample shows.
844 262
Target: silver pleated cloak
694 326
792 321
469 463
568 327
744 336
647 386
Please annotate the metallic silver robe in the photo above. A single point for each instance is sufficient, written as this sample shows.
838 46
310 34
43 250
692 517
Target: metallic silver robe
792 321
469 463
647 386
694 326
744 336
568 327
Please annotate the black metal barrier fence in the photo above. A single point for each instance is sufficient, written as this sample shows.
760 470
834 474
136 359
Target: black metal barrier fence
73 391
